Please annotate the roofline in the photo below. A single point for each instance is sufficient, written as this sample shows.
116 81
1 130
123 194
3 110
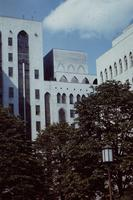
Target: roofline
18 18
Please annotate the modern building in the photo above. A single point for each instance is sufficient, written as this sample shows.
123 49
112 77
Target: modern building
41 91
117 63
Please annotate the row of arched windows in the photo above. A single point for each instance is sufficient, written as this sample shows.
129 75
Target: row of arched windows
75 80
117 68
62 98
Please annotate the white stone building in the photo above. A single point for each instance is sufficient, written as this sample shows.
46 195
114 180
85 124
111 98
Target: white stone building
117 63
41 93
66 82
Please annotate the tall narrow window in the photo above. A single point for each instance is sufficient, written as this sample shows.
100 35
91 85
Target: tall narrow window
10 71
58 98
106 74
24 80
101 77
110 71
78 98
37 94
125 62
131 59
71 99
62 116
37 109
47 109
64 98
9 41
36 74
10 57
120 64
38 126
11 92
115 69
72 113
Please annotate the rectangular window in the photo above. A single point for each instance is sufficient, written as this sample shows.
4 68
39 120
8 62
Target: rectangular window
9 41
37 94
11 108
37 109
11 92
38 126
72 113
10 57
10 71
36 74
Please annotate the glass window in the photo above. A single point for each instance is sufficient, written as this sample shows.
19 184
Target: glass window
72 113
36 74
120 63
64 98
126 63
37 109
10 57
9 41
71 99
10 71
11 92
11 108
62 116
58 98
38 125
37 94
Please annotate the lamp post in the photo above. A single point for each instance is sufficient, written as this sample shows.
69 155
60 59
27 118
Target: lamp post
107 157
24 96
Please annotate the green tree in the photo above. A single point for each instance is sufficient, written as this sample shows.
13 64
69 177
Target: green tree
51 143
20 170
106 117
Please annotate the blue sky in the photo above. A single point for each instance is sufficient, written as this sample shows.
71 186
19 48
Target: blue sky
84 25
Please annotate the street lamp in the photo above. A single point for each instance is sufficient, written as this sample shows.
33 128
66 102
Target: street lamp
24 95
107 157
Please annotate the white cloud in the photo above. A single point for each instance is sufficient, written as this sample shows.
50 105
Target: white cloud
92 18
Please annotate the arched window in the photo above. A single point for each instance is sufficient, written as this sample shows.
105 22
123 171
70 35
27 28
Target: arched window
85 80
83 96
78 98
47 109
58 98
63 79
115 69
64 98
101 77
106 75
125 62
120 64
62 116
71 100
110 72
74 80
24 78
95 82
131 59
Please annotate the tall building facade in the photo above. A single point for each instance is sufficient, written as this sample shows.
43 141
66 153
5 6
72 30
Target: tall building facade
21 57
41 91
117 63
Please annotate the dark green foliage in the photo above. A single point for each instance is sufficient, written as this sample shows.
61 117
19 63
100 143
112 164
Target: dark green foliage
51 144
20 171
106 117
